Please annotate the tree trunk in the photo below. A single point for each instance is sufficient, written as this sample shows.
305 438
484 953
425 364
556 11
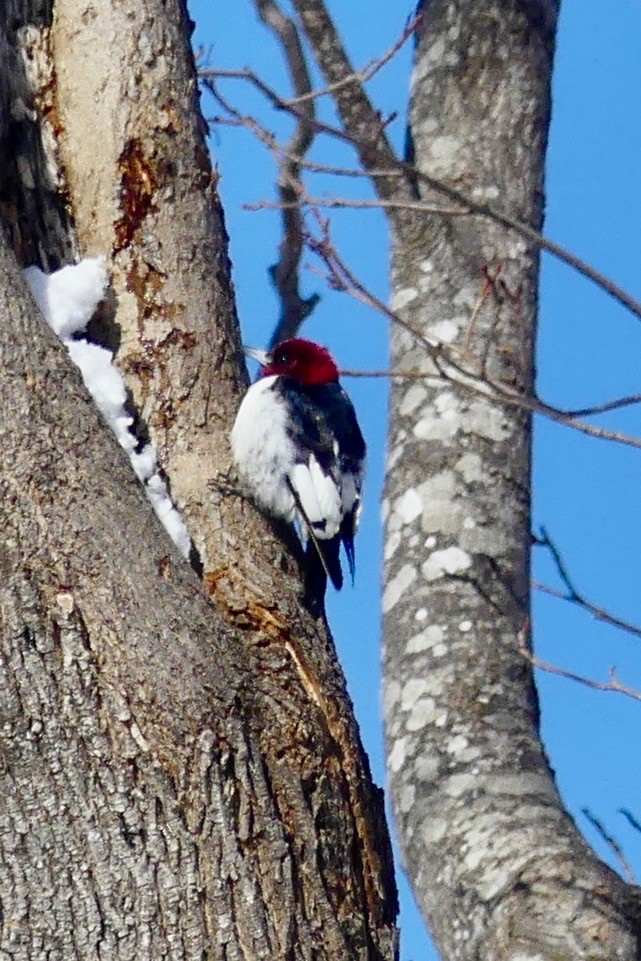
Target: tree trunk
180 779
496 864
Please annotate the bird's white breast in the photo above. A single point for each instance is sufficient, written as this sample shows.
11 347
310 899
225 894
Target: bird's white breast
269 462
262 448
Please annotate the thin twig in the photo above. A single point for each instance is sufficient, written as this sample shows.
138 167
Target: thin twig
615 847
481 208
389 161
628 401
572 593
346 202
341 277
598 612
368 71
358 115
612 686
446 357
630 818
269 139
486 290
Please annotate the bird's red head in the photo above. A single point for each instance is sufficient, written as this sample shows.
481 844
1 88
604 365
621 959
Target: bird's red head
305 361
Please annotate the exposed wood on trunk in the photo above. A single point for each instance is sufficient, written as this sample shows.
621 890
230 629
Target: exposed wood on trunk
181 779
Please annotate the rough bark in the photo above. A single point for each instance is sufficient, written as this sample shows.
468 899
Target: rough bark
496 864
181 779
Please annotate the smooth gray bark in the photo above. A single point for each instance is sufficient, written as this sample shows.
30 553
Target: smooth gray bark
497 865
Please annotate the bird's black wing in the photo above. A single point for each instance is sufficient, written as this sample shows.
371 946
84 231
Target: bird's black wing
309 425
323 424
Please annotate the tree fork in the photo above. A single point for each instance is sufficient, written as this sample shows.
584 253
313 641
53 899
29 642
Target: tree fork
193 772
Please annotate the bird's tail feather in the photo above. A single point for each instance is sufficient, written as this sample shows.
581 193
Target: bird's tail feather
324 551
351 558
323 562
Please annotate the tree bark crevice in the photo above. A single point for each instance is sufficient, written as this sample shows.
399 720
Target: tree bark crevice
195 787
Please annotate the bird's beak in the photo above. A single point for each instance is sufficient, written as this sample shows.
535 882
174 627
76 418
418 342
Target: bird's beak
260 355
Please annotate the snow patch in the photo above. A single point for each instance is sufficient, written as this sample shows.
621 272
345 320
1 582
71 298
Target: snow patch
67 300
68 297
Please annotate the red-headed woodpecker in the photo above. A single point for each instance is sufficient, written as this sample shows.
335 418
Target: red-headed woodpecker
297 445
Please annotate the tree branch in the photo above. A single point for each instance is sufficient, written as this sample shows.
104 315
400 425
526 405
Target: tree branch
572 594
615 847
361 120
403 169
447 358
286 273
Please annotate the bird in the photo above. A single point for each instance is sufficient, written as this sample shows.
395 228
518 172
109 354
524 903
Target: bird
298 447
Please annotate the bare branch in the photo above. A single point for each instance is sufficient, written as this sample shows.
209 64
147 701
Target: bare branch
572 594
360 118
269 139
338 203
286 273
620 402
613 685
615 847
630 818
447 358
399 168
280 103
369 70
538 406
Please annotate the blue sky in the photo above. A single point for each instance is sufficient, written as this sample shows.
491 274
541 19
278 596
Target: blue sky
586 490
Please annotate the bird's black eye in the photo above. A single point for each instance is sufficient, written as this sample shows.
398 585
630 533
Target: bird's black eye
280 357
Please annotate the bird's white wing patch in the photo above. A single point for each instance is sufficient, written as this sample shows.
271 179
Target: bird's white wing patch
319 496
